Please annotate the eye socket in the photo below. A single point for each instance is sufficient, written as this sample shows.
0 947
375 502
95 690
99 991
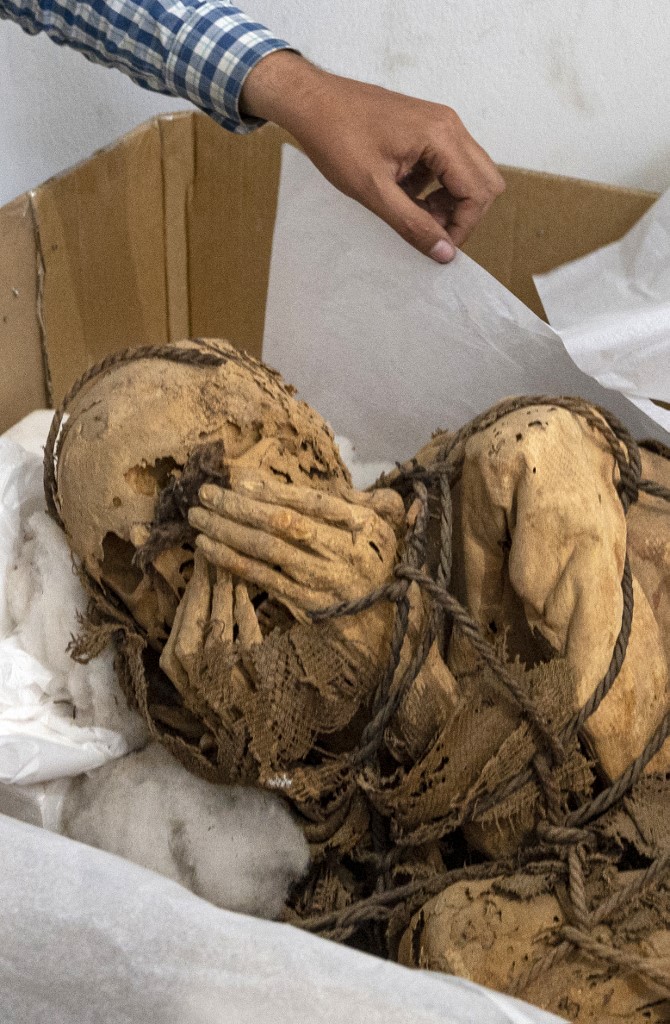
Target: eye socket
149 480
117 564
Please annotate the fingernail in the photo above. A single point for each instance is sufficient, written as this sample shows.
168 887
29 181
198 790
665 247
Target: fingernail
443 251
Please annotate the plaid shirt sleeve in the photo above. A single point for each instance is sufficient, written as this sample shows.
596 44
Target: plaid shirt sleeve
201 51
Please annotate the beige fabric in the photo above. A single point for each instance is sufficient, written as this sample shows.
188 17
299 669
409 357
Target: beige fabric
649 544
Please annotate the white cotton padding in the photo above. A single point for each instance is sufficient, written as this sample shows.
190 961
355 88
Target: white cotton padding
236 847
45 598
21 493
57 718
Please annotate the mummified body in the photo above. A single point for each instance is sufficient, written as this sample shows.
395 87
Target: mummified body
221 522
246 684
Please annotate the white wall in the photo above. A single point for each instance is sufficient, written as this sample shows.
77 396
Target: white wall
580 87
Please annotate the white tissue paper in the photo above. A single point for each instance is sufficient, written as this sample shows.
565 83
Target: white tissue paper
57 718
363 474
390 346
612 311
89 938
31 432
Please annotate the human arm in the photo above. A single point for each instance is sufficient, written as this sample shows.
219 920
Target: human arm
199 51
382 149
377 146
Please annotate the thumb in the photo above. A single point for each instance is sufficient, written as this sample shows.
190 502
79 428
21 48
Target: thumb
413 223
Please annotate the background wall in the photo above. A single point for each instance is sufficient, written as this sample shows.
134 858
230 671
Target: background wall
580 87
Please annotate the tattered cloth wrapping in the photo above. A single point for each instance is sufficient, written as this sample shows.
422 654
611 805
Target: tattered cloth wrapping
498 694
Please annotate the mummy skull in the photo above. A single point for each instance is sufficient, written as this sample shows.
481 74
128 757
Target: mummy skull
130 435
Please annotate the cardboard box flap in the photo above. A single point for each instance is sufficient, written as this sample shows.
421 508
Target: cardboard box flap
543 220
22 382
231 215
101 239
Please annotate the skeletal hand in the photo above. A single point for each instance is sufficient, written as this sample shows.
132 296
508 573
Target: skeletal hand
306 548
214 612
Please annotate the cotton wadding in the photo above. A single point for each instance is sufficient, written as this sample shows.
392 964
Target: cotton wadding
45 598
236 847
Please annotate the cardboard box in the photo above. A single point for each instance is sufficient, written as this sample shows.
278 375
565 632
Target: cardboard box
168 233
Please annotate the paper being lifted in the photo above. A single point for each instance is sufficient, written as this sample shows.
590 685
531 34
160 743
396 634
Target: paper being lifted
612 311
390 346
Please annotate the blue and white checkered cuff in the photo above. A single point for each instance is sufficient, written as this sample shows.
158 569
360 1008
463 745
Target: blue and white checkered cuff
211 56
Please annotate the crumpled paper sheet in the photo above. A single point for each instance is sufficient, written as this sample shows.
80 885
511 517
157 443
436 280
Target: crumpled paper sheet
390 346
39 740
89 938
612 311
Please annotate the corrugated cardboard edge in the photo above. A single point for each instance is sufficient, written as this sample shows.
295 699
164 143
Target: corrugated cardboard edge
23 378
177 135
102 240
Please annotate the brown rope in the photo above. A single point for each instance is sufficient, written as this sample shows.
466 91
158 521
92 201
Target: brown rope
571 834
382 904
579 936
621 958
610 796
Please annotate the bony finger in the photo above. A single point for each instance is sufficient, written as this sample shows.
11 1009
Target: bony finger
197 604
385 503
282 522
303 567
276 584
322 506
169 661
275 518
221 620
246 619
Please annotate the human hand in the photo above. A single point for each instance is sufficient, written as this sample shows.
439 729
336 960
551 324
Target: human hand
308 549
213 611
381 148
